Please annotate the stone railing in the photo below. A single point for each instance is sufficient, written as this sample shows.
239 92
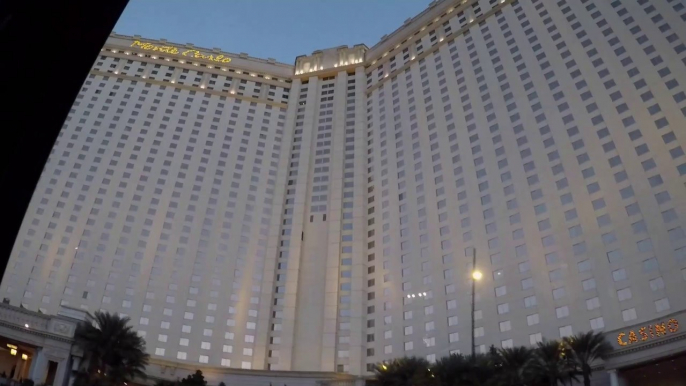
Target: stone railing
23 317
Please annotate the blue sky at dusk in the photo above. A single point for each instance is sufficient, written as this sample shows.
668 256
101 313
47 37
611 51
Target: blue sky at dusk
280 29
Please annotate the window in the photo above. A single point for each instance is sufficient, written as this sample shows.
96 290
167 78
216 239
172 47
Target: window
667 217
527 283
676 234
452 320
629 315
429 326
530 301
593 303
650 265
609 238
536 338
548 241
584 266
532 319
597 323
624 294
565 331
559 293
524 267
662 305
505 326
619 275
478 332
500 291
645 245
562 312
657 284
614 256
639 227
588 284
575 231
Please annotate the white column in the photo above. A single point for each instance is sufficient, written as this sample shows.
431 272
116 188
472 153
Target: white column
61 373
38 366
17 367
614 379
75 363
20 368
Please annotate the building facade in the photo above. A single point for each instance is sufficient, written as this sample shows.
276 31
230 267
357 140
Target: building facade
322 217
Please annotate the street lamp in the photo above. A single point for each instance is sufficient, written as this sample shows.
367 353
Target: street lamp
476 276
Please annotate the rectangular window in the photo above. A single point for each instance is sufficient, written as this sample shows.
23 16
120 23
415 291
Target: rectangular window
532 320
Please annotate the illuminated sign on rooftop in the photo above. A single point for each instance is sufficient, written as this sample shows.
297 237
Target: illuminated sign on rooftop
175 51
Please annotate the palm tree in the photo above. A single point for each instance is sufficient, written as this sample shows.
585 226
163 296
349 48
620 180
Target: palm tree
113 352
513 366
552 364
452 370
195 379
586 348
410 371
461 370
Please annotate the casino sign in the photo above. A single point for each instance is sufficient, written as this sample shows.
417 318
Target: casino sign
647 332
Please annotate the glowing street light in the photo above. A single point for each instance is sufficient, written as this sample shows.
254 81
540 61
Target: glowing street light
477 275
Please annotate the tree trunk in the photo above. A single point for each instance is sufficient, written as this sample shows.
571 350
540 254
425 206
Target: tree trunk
587 379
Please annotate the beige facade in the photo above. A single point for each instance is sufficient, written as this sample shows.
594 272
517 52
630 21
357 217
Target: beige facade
321 217
37 346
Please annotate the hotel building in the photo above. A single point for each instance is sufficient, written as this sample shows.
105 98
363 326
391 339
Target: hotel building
260 220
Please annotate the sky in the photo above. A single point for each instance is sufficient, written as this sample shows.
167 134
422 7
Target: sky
279 29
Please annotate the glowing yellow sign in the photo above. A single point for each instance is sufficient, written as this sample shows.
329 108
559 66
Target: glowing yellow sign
175 51
651 331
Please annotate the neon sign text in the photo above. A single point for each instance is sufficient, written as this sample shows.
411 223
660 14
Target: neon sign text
645 333
175 51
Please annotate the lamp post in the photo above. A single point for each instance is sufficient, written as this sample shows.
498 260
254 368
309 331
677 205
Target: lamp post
476 275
